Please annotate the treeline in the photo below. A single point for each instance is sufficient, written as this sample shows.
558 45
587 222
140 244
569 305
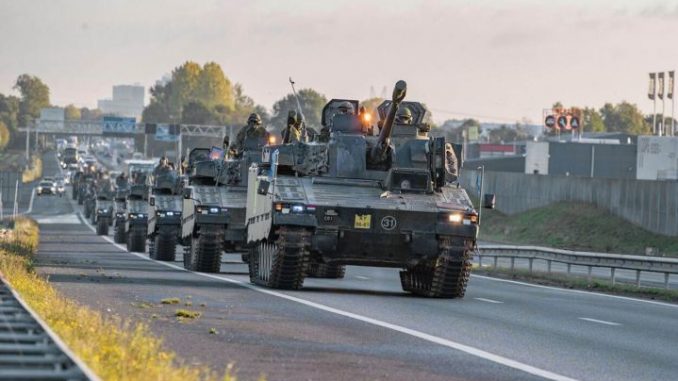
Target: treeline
622 117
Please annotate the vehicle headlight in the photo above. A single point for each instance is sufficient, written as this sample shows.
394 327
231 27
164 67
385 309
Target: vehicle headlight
455 218
170 214
298 209
214 210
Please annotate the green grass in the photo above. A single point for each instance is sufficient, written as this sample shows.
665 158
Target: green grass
114 348
187 314
575 226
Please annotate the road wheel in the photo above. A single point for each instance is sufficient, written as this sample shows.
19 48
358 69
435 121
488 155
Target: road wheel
74 194
445 276
283 262
119 235
164 244
136 239
81 199
102 226
326 270
87 211
206 251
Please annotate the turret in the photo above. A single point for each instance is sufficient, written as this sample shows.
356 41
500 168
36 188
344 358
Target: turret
382 143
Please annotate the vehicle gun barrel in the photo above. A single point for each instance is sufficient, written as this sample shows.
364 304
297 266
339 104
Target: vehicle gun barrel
399 92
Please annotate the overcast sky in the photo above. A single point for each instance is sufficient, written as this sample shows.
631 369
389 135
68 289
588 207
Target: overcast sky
496 60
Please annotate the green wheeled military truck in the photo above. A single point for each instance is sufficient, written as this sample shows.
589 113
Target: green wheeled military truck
360 200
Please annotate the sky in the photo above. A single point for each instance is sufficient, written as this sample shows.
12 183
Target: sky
497 61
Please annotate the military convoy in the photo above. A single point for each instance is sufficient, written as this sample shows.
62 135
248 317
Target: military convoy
310 208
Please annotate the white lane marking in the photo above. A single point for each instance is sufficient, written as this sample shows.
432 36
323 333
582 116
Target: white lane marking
408 331
489 300
361 277
605 322
576 291
30 204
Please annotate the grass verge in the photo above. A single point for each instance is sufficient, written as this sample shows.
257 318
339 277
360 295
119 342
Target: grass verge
579 283
34 172
113 348
575 226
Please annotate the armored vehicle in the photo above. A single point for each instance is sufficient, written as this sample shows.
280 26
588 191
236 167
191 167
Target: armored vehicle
122 188
214 204
313 208
102 215
164 213
136 204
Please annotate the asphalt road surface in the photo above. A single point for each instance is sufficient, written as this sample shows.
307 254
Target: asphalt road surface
364 326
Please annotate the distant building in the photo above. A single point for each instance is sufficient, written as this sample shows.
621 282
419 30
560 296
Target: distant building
128 100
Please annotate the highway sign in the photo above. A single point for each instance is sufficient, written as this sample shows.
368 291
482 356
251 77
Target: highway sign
119 126
550 121
166 133
562 123
574 123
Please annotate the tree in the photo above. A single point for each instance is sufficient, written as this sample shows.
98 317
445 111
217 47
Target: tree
624 117
197 113
72 113
208 92
34 96
9 111
592 121
213 88
90 115
311 102
4 135
506 134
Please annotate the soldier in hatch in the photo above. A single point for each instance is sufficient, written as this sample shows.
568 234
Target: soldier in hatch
404 115
344 108
292 132
252 129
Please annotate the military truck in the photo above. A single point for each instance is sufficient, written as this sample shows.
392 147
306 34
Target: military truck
164 214
360 200
214 204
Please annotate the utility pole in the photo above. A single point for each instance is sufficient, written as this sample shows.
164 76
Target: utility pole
652 94
669 94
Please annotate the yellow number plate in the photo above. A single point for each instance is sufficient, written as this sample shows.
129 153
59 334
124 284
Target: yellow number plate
363 221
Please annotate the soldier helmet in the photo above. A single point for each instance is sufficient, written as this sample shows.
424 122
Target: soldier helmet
404 115
345 108
291 117
254 119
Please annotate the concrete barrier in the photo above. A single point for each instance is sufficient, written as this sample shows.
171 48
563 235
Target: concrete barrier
652 205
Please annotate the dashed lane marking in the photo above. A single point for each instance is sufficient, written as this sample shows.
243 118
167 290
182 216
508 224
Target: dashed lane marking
489 300
604 322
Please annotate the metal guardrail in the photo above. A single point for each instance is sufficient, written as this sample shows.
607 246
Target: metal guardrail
639 264
29 350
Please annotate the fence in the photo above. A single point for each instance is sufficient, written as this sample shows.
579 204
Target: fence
666 266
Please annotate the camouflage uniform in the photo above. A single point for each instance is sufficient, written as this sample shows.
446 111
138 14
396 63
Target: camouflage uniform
292 133
252 129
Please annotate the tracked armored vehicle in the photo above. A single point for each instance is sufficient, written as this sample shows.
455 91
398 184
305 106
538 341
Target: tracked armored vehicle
102 216
136 204
122 188
313 208
164 214
214 204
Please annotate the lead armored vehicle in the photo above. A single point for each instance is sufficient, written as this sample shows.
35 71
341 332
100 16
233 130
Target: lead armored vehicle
360 200
164 213
214 204
122 188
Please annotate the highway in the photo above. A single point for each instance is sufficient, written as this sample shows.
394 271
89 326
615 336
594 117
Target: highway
362 327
